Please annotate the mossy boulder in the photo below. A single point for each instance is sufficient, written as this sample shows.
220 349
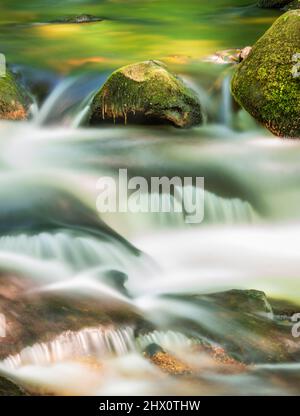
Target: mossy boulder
14 100
267 83
146 93
273 4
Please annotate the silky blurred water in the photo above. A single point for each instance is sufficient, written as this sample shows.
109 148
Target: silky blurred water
86 293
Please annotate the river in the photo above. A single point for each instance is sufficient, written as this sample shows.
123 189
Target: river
86 294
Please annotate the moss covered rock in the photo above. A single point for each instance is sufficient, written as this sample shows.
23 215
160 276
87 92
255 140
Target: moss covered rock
14 100
273 4
267 83
146 92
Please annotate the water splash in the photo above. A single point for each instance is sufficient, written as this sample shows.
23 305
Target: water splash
83 112
50 105
68 103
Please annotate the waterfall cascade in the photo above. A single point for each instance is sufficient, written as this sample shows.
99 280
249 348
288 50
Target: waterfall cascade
97 342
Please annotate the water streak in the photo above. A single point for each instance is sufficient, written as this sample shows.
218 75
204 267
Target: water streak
99 342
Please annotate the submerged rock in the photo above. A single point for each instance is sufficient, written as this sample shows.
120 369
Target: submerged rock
146 92
242 323
82 18
166 361
214 354
14 100
170 364
267 83
273 4
254 336
33 316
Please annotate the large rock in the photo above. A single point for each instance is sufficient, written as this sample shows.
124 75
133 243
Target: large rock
146 92
267 83
14 100
273 4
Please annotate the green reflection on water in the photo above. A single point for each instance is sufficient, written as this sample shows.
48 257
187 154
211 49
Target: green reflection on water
177 32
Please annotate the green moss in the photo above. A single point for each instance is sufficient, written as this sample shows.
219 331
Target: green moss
264 85
14 101
146 92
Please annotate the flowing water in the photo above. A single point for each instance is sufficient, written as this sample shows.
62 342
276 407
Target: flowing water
86 295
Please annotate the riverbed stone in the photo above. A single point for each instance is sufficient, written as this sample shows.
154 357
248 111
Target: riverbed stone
146 93
33 316
267 82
